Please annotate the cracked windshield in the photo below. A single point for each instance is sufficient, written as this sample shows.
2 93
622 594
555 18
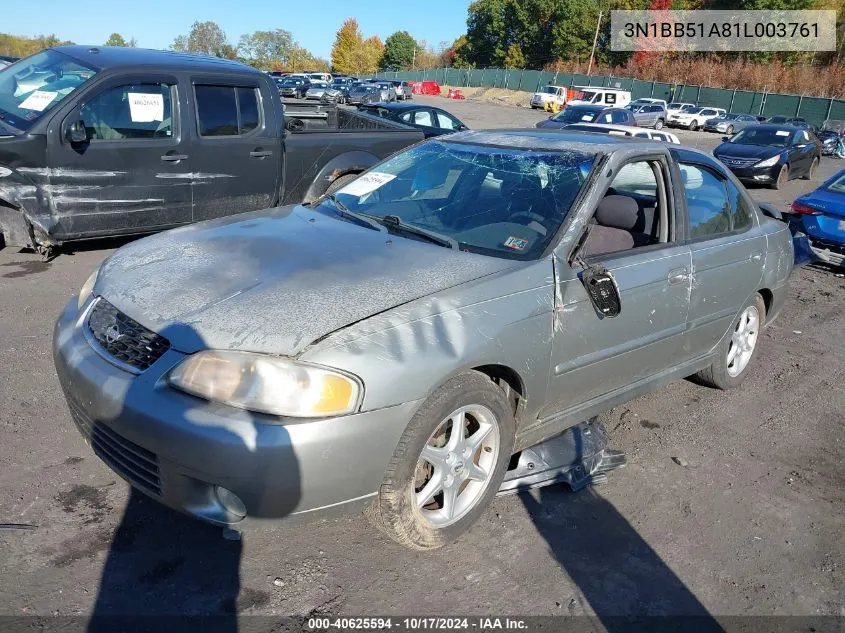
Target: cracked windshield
502 203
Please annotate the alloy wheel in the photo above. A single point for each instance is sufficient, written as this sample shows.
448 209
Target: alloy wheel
456 465
743 341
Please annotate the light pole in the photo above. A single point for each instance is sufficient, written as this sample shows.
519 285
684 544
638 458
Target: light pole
595 39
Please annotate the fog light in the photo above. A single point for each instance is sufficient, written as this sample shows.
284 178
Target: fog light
230 501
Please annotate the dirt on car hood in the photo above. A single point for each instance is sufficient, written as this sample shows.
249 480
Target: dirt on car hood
275 281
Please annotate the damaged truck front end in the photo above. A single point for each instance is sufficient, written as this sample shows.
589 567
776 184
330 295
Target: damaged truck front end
25 209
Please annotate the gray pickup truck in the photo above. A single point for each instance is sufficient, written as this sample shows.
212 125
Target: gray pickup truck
106 141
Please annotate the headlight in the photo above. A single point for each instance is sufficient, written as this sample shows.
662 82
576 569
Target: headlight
87 289
769 162
267 384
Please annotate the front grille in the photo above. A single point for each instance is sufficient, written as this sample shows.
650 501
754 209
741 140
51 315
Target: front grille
732 161
136 465
123 338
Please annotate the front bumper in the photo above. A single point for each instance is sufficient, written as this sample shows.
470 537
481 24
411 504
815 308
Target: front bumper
752 174
176 448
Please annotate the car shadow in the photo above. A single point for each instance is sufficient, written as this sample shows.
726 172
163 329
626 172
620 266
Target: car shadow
623 579
626 583
164 568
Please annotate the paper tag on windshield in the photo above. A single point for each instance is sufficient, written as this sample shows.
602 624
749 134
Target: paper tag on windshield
367 183
38 100
782 133
145 108
587 117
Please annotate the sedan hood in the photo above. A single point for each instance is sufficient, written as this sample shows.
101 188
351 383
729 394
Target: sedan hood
739 150
275 281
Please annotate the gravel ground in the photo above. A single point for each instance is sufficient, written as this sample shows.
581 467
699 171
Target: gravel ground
731 502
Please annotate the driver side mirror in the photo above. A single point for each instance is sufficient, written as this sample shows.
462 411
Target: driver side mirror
725 139
76 132
603 292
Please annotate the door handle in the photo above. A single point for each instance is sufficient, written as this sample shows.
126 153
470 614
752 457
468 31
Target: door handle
174 158
677 276
260 153
756 256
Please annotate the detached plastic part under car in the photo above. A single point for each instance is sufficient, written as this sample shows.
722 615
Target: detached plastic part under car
578 457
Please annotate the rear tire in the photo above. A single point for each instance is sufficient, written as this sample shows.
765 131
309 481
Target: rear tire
730 130
426 464
693 126
737 350
340 183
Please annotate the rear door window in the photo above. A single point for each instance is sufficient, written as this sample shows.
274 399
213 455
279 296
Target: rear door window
715 205
227 110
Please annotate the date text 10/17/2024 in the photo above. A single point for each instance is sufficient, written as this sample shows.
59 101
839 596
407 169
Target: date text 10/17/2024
415 624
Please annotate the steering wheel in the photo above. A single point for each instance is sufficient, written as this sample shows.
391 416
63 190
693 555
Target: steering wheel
535 221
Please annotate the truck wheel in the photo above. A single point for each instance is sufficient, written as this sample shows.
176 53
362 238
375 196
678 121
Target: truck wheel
738 348
659 124
448 465
340 183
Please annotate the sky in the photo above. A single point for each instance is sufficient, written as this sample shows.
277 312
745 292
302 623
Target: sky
155 23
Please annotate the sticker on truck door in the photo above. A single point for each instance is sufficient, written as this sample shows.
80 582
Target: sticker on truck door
145 107
367 183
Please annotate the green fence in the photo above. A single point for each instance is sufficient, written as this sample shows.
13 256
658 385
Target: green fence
813 109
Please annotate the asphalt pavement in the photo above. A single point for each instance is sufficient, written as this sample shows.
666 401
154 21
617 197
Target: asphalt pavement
731 503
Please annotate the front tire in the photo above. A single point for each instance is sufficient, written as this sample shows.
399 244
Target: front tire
811 173
730 130
659 124
782 179
448 464
737 350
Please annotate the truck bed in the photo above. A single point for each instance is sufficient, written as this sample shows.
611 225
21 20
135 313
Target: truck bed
317 134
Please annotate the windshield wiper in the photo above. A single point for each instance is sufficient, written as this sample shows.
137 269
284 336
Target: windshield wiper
344 212
396 223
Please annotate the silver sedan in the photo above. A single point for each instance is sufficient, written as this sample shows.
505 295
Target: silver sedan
394 343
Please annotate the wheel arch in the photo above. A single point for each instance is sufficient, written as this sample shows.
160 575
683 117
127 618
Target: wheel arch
341 165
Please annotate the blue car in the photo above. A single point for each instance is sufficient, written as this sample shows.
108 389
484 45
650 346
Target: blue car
821 215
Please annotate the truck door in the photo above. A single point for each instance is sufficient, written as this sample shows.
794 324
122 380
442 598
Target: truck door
237 148
117 181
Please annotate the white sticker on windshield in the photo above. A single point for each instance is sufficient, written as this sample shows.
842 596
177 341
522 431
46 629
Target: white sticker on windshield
587 117
38 100
367 183
145 107
782 133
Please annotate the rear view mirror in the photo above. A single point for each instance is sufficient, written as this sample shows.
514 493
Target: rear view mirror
603 292
76 132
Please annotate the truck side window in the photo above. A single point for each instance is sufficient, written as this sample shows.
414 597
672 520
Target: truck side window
227 110
217 110
248 104
129 112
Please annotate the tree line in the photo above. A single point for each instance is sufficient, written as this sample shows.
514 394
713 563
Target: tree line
542 33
